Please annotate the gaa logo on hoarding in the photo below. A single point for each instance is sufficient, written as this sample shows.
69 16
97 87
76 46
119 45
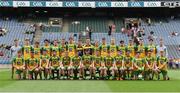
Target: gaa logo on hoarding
4 3
170 4
70 4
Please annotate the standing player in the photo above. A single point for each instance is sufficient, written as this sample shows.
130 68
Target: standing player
54 62
79 49
162 65
44 64
33 66
113 48
76 61
63 48
66 68
37 50
120 65
56 47
87 63
19 64
26 49
139 65
141 49
128 63
96 48
131 48
47 47
152 48
104 48
109 63
87 48
122 48
71 47
97 59
150 60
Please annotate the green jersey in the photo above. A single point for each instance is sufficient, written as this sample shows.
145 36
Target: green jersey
119 60
66 61
87 60
128 61
18 61
139 62
109 61
63 49
48 49
32 62
44 59
76 61
161 61
97 61
54 61
150 61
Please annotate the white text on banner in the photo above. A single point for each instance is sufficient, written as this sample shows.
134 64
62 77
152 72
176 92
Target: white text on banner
119 4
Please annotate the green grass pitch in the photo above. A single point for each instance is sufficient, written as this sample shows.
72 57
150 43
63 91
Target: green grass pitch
9 85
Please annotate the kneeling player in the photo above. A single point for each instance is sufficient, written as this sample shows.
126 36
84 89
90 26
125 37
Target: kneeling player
66 68
19 65
33 66
76 60
148 74
44 64
87 63
162 65
54 62
139 67
128 63
97 62
120 66
111 68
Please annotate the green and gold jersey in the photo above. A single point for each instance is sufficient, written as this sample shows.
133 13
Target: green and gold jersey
55 60
66 61
48 49
104 50
109 61
37 52
161 61
142 49
139 62
128 61
32 62
57 49
87 48
113 50
18 61
119 60
76 60
122 50
71 49
131 49
96 49
97 61
87 60
150 61
152 48
63 49
26 51
44 60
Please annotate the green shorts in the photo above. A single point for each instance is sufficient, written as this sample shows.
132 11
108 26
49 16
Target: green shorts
31 72
19 71
164 72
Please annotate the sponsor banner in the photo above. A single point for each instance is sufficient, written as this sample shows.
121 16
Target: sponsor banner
152 4
170 4
70 4
21 4
54 4
119 4
103 4
37 4
86 4
135 4
6 4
